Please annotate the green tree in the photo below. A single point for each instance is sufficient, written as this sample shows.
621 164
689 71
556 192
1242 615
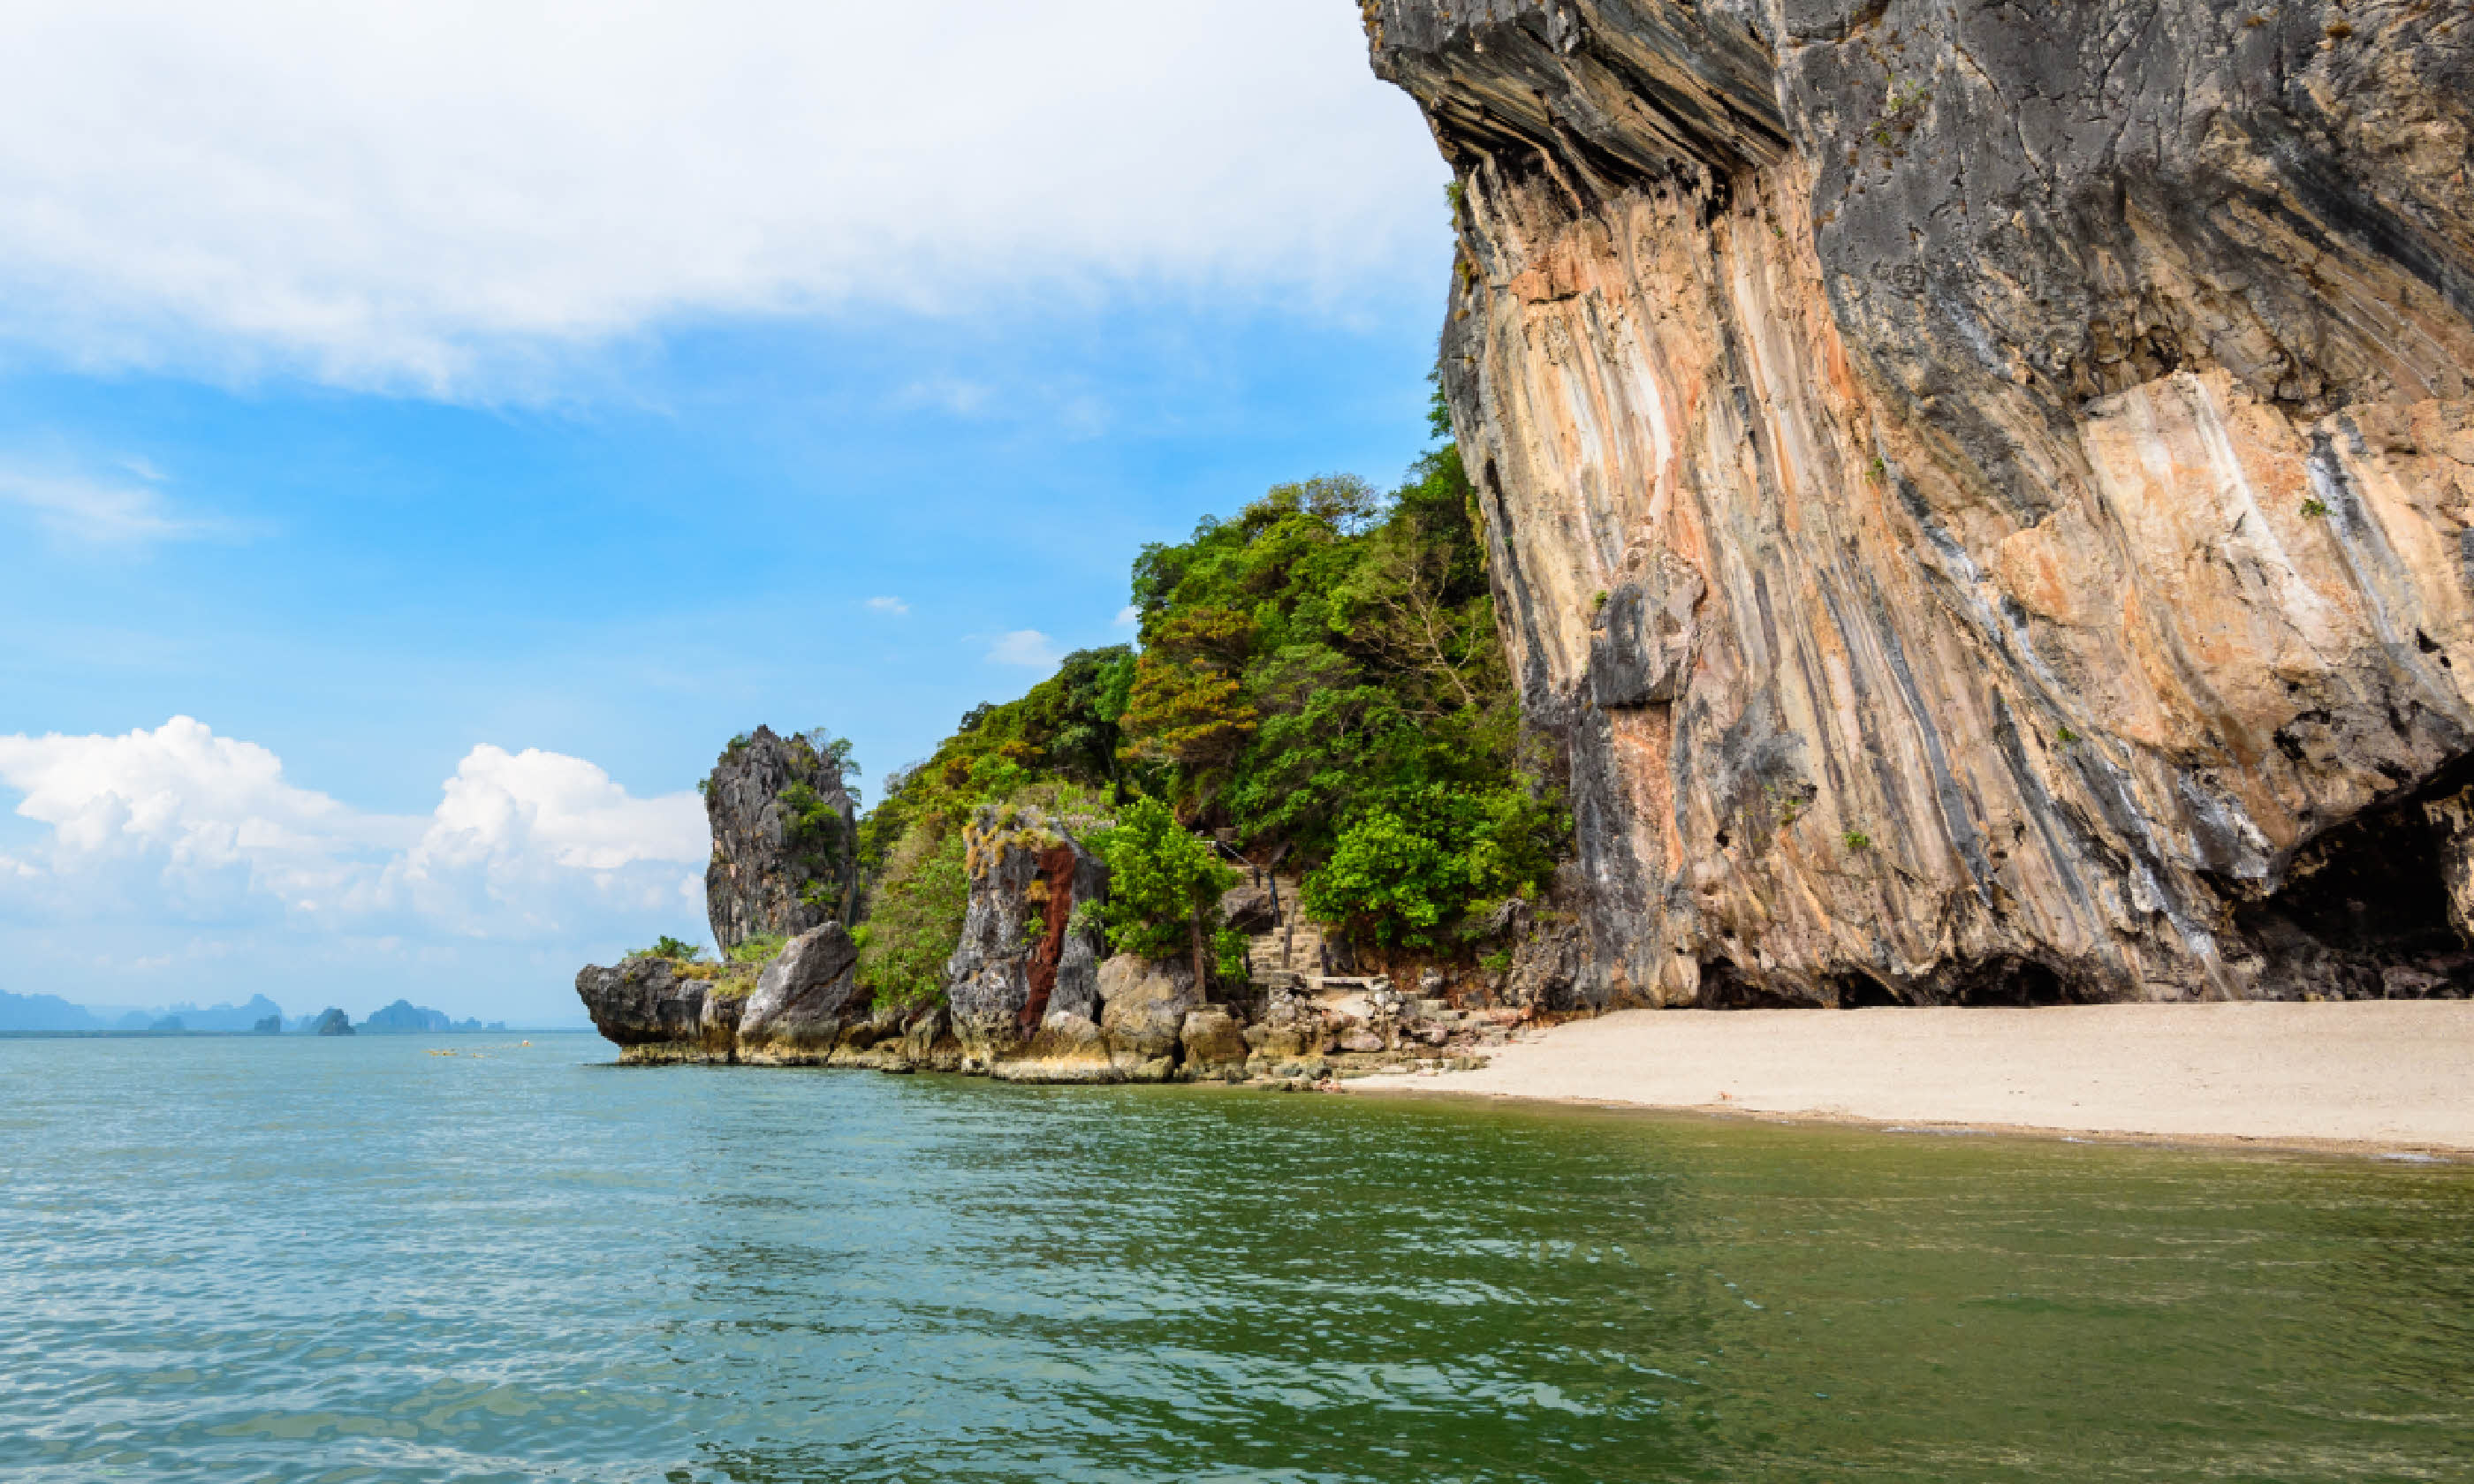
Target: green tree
914 919
1164 885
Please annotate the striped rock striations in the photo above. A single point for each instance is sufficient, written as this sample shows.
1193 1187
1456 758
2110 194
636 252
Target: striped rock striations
1983 494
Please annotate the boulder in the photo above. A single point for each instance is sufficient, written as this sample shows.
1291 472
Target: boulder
1249 909
1213 1045
653 1014
802 999
1143 1006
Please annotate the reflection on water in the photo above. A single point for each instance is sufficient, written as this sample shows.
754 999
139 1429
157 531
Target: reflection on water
241 1259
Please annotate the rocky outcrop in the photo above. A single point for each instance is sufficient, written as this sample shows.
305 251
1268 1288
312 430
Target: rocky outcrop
334 1022
654 1013
785 841
1982 496
1026 953
802 999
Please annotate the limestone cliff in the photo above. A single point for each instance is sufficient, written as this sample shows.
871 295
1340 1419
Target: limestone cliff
785 842
1026 956
1984 494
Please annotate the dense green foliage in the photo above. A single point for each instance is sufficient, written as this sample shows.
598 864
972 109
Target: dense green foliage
914 917
760 949
1164 885
678 950
1319 674
1322 671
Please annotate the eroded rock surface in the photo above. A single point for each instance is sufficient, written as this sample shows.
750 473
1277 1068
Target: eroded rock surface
654 1013
785 842
802 999
1024 953
1984 494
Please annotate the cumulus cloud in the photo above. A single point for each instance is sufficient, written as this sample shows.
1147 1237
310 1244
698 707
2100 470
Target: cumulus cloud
1026 647
894 606
1129 616
433 196
177 822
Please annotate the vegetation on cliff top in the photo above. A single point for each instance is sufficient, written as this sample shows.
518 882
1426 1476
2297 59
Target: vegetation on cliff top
1319 676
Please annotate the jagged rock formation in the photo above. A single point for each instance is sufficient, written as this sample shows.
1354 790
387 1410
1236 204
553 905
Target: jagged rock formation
333 1022
1983 494
785 840
802 999
655 1013
1031 996
1026 957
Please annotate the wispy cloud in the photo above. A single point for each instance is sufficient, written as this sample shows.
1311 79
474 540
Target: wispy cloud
1025 646
893 606
1129 616
961 399
108 512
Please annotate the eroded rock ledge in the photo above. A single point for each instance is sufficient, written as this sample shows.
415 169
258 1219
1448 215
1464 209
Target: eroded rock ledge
1984 494
1030 997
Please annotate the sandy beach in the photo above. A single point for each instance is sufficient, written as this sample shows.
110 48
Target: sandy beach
2388 1075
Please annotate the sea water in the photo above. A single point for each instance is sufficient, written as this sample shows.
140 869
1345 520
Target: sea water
356 1259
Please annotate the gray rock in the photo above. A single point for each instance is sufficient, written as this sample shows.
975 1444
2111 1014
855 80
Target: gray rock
654 1015
769 873
1213 1045
334 1022
1144 1003
1249 909
802 999
1023 953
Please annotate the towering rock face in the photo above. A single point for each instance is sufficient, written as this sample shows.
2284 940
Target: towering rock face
785 840
1984 493
1025 958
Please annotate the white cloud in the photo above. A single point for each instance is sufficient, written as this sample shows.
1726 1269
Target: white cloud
456 193
106 512
1026 647
888 606
178 822
1129 616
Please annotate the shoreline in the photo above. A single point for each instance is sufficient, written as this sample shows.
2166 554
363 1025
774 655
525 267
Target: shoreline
2366 1078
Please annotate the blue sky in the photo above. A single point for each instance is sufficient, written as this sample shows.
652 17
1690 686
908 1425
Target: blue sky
465 440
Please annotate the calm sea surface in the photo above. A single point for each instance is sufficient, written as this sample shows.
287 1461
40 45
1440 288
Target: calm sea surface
303 1259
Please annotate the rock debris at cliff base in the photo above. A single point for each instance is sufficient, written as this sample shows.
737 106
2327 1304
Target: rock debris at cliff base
1984 496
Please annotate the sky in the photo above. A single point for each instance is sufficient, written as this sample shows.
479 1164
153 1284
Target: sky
428 431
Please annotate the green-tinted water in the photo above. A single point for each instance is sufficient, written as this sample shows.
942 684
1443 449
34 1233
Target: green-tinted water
303 1259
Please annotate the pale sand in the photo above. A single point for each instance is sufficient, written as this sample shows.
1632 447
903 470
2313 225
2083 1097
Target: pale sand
2386 1074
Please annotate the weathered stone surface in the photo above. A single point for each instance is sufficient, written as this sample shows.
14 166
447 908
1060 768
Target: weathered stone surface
1067 1048
2029 455
1249 909
771 872
653 1014
802 999
1214 1045
1143 1006
1023 953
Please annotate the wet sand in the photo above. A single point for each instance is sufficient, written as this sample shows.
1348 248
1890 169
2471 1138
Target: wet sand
2386 1075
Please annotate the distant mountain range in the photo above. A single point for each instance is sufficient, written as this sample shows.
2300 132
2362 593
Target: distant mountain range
51 1012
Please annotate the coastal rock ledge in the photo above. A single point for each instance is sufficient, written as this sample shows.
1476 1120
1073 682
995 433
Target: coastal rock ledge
1981 496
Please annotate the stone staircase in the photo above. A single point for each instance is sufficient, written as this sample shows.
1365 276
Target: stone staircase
1291 952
